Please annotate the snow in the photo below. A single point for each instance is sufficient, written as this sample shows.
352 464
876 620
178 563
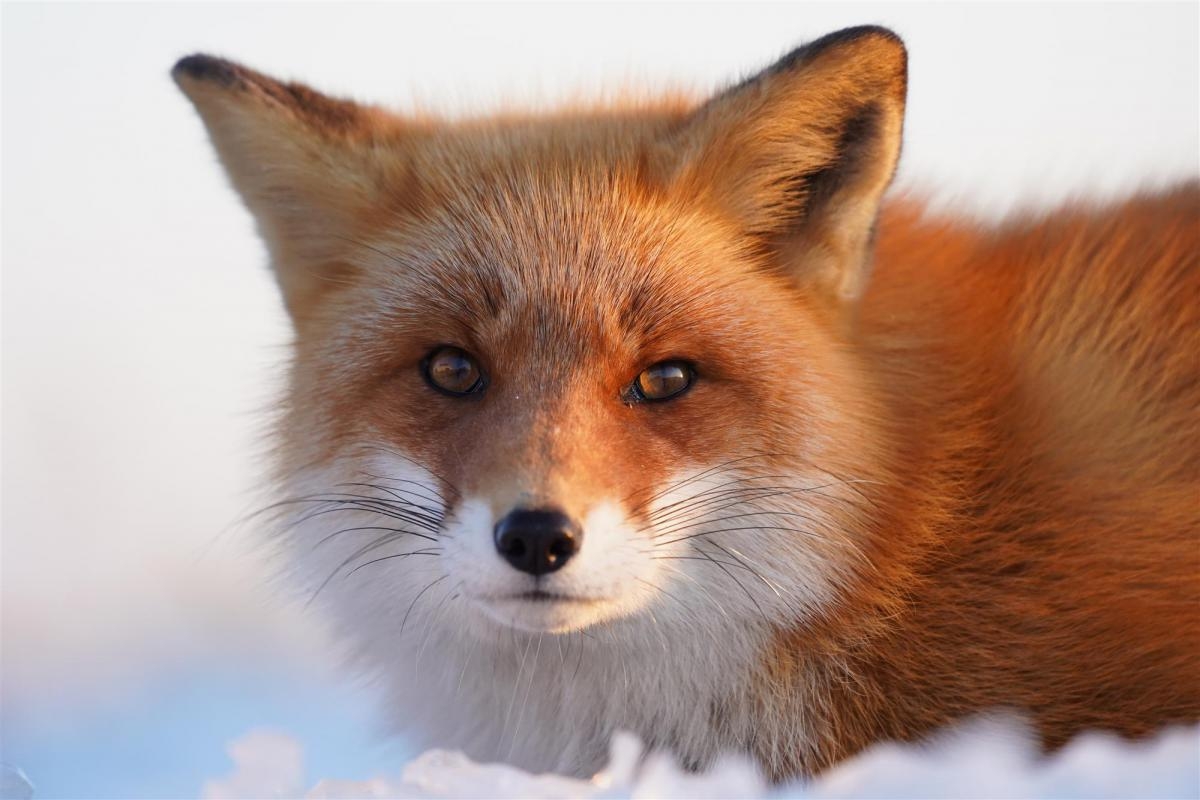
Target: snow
268 764
992 757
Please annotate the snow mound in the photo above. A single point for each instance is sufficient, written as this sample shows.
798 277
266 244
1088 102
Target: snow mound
268 764
989 758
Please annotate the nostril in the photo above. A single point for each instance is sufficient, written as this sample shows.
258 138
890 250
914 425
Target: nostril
562 548
537 541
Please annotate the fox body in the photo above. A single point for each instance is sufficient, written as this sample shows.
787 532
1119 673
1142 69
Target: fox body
658 418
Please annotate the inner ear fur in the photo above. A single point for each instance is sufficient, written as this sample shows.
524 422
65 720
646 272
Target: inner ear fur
310 168
799 155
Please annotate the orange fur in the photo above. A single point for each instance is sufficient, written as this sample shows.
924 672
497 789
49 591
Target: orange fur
1018 405
1038 544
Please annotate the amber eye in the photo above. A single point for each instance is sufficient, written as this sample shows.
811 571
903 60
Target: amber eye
453 372
663 380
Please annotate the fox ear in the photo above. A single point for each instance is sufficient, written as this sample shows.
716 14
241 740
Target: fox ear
309 167
799 155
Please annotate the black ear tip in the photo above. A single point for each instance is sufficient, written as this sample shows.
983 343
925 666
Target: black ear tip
203 67
846 37
871 30
857 33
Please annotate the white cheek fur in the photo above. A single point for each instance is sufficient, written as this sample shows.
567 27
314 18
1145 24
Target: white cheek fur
740 545
677 635
364 563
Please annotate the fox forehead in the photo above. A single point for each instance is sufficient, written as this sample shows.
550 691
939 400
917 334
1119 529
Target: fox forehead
543 265
524 229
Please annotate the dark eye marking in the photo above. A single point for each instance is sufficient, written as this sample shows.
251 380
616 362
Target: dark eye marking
662 381
453 371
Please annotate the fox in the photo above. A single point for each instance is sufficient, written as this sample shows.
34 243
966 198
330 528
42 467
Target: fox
665 415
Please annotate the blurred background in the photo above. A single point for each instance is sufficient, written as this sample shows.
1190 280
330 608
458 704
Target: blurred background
142 335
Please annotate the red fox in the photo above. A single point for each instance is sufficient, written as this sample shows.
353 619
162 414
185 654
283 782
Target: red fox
658 417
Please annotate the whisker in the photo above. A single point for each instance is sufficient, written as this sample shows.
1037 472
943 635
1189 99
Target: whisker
413 604
429 552
525 701
658 588
450 595
323 497
700 558
354 502
517 683
380 448
732 554
756 493
707 595
362 551
400 494
426 525
706 519
579 657
724 466
809 534
733 578
709 514
710 491
371 528
406 506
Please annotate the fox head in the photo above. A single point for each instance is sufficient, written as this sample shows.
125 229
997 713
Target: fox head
588 369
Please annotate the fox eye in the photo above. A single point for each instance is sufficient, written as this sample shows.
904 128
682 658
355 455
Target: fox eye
452 371
663 380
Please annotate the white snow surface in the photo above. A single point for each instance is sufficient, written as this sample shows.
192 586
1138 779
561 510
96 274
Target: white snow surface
988 758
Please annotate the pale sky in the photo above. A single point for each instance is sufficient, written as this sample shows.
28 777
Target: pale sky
142 333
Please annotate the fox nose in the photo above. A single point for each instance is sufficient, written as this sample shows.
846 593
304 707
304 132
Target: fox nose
537 541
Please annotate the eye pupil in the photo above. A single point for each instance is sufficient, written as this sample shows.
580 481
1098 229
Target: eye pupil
453 371
664 380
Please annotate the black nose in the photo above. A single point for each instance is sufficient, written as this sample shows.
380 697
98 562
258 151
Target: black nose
537 541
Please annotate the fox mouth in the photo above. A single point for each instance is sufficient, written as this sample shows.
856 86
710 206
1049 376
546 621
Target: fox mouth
542 596
540 611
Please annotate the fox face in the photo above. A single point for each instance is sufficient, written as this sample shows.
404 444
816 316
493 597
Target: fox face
579 409
583 376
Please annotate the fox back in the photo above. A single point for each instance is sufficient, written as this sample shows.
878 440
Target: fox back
657 417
